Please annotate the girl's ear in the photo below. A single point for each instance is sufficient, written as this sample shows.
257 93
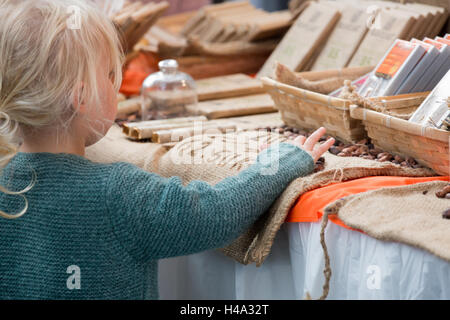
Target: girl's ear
78 100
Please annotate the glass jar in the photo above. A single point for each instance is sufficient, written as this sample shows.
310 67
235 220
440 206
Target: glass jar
167 93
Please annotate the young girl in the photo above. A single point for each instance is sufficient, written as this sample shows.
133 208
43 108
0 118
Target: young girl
74 229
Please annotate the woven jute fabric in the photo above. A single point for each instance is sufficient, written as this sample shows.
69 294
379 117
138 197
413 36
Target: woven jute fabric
212 158
116 147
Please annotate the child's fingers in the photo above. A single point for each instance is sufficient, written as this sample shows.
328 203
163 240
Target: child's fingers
314 138
300 140
321 149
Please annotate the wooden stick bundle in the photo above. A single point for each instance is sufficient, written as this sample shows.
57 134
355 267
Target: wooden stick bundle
135 19
235 21
176 135
145 129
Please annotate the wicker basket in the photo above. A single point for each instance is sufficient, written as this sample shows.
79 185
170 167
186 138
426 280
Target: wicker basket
310 110
429 146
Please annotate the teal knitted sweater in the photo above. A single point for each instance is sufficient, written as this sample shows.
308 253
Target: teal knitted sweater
96 231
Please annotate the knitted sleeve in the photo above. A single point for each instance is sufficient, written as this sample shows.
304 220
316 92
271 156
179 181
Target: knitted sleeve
155 217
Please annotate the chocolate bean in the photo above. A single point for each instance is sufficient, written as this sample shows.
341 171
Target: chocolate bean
363 141
446 214
318 167
363 149
335 150
399 159
384 158
349 149
425 192
343 154
375 152
443 193
411 161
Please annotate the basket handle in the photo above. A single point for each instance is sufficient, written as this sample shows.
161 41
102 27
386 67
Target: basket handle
380 119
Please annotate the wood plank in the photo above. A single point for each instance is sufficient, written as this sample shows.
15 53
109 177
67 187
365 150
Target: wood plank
232 107
234 85
301 42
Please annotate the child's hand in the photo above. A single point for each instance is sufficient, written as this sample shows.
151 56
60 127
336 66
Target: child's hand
308 144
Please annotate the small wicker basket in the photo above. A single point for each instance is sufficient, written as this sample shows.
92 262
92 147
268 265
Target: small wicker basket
429 146
310 110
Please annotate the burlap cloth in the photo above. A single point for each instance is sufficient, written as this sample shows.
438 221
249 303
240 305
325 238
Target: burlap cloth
116 147
214 157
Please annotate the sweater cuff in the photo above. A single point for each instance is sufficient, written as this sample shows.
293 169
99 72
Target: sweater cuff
285 157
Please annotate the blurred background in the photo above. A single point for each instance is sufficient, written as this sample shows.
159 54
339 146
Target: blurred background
178 6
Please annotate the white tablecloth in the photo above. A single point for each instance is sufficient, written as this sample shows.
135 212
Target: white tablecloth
363 268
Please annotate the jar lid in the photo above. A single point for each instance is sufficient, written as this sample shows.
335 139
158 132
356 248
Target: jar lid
168 65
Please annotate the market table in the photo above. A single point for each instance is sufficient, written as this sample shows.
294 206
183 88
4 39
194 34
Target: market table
363 268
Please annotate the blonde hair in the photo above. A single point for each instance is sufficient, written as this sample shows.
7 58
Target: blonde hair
50 51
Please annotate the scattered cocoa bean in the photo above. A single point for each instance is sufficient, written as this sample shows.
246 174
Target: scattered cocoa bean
335 150
364 148
375 152
425 192
384 158
343 154
411 161
446 214
442 193
363 141
381 155
318 167
350 149
398 159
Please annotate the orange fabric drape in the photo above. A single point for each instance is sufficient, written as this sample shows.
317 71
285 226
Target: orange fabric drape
136 71
309 207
